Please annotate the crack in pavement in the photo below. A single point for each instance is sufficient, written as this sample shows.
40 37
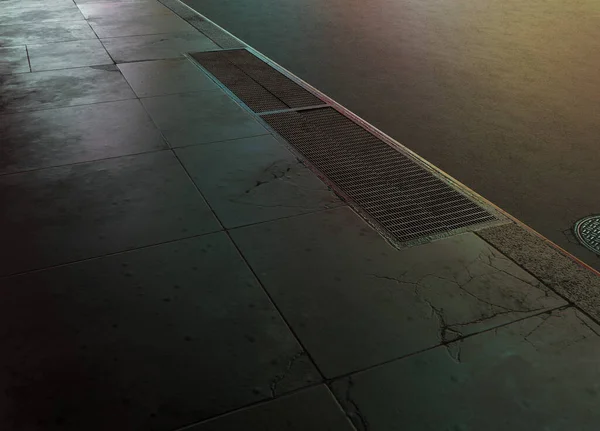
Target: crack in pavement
446 329
278 378
275 172
356 410
586 323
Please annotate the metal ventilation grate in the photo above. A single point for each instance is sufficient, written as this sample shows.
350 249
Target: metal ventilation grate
404 198
254 82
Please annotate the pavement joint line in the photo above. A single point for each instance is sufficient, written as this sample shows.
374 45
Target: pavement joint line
130 250
447 343
242 256
251 269
32 271
191 426
82 162
65 106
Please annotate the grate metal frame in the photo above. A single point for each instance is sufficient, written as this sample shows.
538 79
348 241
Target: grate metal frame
387 161
258 85
349 159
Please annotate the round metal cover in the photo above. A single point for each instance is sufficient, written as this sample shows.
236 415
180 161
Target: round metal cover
587 231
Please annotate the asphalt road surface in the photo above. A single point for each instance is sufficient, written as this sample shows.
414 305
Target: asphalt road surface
504 95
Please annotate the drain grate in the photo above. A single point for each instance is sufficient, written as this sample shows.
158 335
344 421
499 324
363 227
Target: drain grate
587 231
400 195
254 82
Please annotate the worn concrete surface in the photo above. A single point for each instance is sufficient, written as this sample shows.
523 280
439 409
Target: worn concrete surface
254 180
553 267
63 55
65 87
164 77
156 47
355 301
143 25
152 339
540 373
127 302
14 60
201 117
310 409
55 137
59 215
122 10
44 32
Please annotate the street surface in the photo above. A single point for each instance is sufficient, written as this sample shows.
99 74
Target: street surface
502 95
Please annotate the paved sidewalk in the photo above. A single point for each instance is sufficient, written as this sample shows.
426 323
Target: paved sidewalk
167 261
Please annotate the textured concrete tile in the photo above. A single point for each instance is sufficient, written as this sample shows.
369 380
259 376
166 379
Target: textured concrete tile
152 339
197 118
19 4
122 10
151 24
26 14
58 88
111 1
58 215
13 60
63 55
557 270
355 301
541 373
54 137
163 77
156 47
44 32
253 180
312 409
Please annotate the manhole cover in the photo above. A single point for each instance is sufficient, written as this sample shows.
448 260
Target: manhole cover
587 231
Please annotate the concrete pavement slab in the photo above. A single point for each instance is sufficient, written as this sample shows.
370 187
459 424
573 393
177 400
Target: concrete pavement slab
25 14
164 77
63 55
142 25
312 409
19 4
153 339
110 1
540 373
254 180
44 32
14 60
123 10
556 269
201 117
58 215
156 47
355 301
58 88
54 137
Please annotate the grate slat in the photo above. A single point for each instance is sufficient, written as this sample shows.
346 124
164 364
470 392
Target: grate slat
400 195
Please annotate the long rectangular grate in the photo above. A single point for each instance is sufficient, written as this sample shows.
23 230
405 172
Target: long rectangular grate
397 193
254 82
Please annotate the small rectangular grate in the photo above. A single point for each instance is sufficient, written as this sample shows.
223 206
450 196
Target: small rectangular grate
254 82
400 195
